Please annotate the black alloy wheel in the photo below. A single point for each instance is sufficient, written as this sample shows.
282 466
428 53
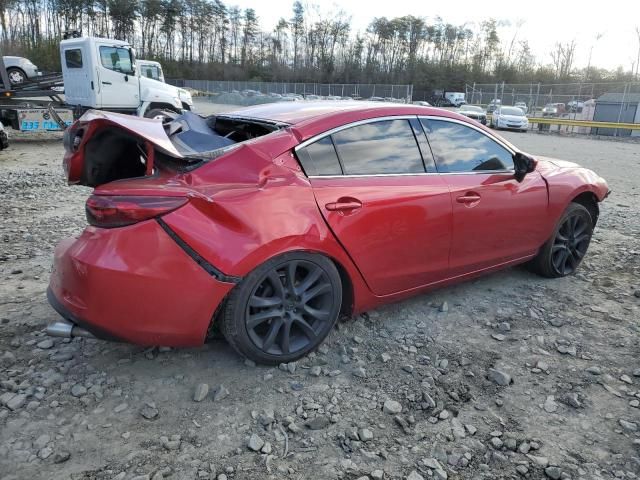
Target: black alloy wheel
570 244
284 309
562 253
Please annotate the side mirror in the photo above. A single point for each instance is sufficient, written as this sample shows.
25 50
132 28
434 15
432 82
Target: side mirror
523 164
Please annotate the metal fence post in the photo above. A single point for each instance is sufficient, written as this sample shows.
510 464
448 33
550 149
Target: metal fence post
624 96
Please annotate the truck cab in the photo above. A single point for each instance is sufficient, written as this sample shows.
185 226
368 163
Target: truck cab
101 73
455 98
150 69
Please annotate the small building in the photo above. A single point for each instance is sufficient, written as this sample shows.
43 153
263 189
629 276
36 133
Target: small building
617 107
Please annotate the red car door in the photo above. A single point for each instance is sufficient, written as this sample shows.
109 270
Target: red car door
496 219
390 212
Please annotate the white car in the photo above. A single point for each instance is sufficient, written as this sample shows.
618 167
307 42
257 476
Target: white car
20 69
511 118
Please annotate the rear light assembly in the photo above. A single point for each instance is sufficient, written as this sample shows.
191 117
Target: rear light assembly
118 211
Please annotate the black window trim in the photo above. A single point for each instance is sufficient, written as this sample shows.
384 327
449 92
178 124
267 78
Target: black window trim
491 137
332 131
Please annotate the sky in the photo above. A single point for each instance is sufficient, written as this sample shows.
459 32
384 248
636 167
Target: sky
545 21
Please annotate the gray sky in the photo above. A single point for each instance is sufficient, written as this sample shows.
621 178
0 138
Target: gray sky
545 21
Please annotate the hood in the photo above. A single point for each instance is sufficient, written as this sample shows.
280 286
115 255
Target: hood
555 163
152 84
513 118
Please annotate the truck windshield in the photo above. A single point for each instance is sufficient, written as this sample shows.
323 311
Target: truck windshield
116 58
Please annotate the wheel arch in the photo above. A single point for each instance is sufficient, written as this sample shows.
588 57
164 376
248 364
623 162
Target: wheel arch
588 200
348 293
161 106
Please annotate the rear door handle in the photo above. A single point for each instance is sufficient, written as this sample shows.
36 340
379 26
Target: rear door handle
343 205
469 197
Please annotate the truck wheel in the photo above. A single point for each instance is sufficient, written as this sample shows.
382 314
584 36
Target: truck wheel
16 76
160 114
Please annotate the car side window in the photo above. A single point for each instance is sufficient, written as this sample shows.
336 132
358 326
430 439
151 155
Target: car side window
458 148
386 146
320 158
73 58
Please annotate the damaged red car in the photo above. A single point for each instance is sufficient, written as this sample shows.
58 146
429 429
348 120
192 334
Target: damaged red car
272 221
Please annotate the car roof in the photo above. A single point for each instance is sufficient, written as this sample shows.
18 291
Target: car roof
294 113
309 118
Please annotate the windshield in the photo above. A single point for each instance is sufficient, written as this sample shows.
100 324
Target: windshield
511 111
471 108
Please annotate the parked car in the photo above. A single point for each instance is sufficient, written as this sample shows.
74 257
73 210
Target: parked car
493 104
273 220
553 110
20 69
475 112
510 118
522 106
421 103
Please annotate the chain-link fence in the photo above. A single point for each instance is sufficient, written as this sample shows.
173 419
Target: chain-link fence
537 95
397 93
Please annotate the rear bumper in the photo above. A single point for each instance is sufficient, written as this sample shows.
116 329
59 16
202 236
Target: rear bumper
134 284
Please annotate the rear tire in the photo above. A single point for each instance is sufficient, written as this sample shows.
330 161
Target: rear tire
563 252
284 309
16 76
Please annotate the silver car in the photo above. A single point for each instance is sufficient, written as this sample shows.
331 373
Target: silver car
20 69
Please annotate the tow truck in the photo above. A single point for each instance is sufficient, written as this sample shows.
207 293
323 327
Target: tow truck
98 74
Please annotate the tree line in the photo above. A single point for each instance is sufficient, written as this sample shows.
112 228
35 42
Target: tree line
209 39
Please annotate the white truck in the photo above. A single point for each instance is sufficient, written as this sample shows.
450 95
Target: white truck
455 98
97 73
150 69
102 74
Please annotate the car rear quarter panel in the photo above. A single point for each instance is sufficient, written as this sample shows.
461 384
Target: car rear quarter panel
268 209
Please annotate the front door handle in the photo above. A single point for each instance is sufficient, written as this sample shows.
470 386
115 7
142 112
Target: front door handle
106 83
344 205
469 197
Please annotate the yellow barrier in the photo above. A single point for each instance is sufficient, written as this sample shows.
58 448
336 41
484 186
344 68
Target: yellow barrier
584 123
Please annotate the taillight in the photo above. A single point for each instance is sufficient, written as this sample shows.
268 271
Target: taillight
119 211
72 137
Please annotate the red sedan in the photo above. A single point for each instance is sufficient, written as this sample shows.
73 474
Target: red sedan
274 220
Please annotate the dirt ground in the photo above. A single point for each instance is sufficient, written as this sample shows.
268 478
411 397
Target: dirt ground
404 392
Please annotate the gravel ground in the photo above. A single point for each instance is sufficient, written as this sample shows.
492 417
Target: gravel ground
509 376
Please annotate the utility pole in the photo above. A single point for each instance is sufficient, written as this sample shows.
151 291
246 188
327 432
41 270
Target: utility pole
598 37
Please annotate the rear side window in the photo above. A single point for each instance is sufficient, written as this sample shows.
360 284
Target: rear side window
458 148
387 146
320 158
73 58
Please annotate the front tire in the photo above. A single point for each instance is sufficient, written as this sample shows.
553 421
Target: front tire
563 252
284 309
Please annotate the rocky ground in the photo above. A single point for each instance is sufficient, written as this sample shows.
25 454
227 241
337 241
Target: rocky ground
506 377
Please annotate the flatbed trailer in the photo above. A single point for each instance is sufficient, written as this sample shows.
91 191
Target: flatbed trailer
34 105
